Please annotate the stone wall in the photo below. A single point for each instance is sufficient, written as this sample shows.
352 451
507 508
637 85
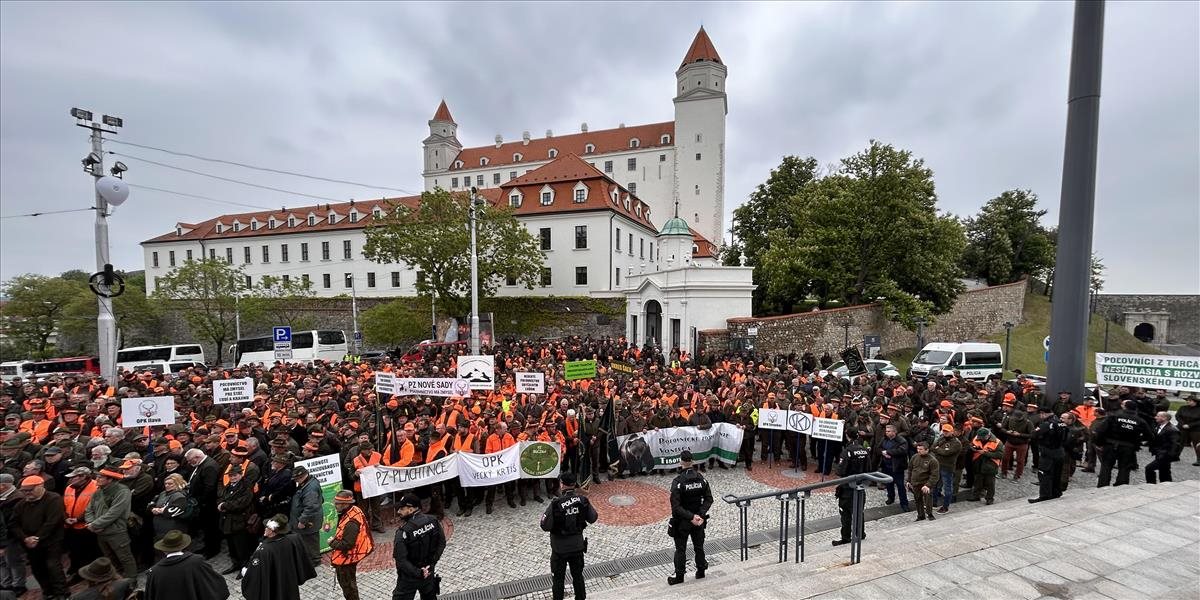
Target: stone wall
975 315
1183 322
712 342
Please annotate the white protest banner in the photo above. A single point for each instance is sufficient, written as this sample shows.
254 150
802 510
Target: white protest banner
385 383
1149 371
524 460
232 391
480 370
431 386
828 429
378 480
660 449
154 410
799 421
772 418
531 383
327 470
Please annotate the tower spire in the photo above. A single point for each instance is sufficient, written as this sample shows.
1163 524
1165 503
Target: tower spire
702 49
443 113
677 209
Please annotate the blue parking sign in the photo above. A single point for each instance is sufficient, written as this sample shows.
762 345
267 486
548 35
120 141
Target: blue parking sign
282 334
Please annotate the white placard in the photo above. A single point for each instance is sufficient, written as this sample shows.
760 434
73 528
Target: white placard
480 370
432 386
233 391
327 470
799 422
828 429
385 383
1154 371
772 418
153 410
531 383
379 480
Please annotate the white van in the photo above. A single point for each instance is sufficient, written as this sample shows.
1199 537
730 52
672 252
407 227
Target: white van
973 360
307 346
160 359
14 368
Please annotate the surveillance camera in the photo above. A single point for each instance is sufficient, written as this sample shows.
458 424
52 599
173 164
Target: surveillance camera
91 159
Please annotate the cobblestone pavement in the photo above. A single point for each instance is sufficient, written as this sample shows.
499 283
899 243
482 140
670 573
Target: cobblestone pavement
508 545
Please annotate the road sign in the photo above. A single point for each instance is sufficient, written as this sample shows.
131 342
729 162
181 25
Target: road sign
281 334
358 335
283 342
283 351
1046 343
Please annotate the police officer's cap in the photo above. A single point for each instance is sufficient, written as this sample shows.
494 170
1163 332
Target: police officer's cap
410 500
685 456
568 479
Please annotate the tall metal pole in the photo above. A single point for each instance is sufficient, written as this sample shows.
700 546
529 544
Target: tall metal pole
357 345
1008 326
237 313
433 316
1072 269
106 325
474 280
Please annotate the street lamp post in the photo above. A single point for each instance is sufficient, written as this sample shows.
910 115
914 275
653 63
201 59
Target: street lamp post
1008 327
474 275
846 332
920 333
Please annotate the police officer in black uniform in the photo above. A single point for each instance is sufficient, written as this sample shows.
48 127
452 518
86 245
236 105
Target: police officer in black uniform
855 459
1121 434
418 547
690 500
566 518
1051 437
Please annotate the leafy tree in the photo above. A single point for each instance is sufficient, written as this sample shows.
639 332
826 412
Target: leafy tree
868 232
394 324
207 294
433 238
276 301
769 209
1096 280
34 311
1006 240
140 319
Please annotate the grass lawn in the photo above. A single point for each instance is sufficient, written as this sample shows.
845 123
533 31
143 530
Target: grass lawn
1026 352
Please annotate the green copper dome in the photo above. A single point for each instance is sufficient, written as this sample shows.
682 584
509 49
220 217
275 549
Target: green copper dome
675 226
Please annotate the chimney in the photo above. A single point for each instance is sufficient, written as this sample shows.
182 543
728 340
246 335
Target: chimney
621 126
583 127
499 140
549 133
525 138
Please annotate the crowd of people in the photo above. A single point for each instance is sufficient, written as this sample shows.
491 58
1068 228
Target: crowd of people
81 494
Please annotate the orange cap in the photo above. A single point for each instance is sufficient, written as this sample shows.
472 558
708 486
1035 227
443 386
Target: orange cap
32 481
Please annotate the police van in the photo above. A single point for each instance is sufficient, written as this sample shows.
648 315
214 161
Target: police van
307 346
160 359
972 360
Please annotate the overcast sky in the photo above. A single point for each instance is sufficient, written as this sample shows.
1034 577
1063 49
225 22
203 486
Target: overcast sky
344 91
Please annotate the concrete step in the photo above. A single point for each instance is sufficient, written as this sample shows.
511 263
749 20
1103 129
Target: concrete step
1091 541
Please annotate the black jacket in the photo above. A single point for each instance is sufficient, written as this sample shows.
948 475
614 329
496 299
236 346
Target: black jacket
690 496
565 518
277 568
185 576
419 543
1165 442
203 484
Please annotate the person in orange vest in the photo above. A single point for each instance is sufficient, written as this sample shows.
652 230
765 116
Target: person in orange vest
80 543
367 456
497 441
466 439
351 542
987 453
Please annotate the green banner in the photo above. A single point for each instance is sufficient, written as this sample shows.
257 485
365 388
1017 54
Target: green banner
327 470
579 369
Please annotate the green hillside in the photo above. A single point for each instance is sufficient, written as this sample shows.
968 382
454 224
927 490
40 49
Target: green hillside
1026 352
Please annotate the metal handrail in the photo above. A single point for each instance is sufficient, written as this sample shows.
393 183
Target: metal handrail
800 496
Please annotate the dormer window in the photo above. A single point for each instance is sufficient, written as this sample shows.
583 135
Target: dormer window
178 230
514 200
626 202
589 148
312 220
354 217
378 214
458 164
613 196
638 210
517 157
271 223
546 195
237 226
665 139
553 153
253 225
634 143
220 228
291 221
483 161
581 193
332 218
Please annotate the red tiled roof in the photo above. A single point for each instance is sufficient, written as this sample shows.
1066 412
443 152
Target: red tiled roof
562 174
604 140
443 113
702 50
208 229
704 248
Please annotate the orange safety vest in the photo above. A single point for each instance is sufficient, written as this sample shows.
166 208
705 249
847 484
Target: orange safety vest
436 449
1086 414
75 505
360 464
495 443
406 454
466 444
40 430
988 447
363 544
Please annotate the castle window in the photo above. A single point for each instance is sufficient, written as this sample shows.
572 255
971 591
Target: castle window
634 143
271 223
312 220
517 157
332 218
291 221
697 156
237 226
589 148
495 179
665 139
458 164
580 196
453 182
608 166
354 217
547 198
253 227
377 213
631 164
483 162
514 200
479 180
662 158
219 229
698 137
512 175
632 187
553 153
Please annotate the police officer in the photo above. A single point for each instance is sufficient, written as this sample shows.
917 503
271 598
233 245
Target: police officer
1051 437
690 500
566 518
855 459
417 548
1121 433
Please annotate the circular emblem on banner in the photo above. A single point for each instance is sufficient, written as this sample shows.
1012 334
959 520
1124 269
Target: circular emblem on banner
798 421
148 409
461 387
538 459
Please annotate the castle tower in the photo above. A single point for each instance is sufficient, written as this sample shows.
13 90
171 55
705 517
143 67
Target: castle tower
700 109
442 145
